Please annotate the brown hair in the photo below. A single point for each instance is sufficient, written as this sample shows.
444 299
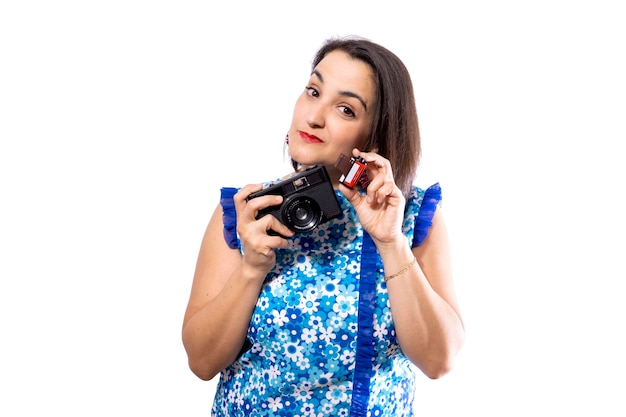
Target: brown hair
395 129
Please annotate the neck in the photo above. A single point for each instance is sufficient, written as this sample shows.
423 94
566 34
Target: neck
333 173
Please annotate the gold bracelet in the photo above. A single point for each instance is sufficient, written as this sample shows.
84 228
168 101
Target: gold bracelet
402 271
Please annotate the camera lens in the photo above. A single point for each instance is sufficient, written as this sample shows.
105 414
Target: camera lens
301 214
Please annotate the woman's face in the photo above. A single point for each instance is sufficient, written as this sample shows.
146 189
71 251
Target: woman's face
334 113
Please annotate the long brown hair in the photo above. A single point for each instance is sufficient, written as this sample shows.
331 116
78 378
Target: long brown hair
395 129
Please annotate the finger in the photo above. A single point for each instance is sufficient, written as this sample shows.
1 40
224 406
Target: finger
374 159
378 168
245 204
246 190
277 227
351 194
258 238
381 181
240 198
378 188
388 189
259 203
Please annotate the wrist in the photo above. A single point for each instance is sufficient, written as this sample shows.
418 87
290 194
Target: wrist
252 273
401 271
396 257
393 248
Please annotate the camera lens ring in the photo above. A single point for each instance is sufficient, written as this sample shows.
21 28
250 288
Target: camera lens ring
301 213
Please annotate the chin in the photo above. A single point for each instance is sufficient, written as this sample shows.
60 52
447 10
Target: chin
303 158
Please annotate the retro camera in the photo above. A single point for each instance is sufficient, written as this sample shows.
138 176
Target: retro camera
308 200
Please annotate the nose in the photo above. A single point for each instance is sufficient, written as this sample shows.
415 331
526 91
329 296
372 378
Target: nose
316 116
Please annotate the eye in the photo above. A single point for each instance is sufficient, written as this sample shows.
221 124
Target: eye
312 92
347 111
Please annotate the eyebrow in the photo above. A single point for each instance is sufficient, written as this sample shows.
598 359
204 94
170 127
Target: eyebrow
342 93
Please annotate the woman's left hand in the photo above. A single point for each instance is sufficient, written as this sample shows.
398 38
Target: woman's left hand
381 211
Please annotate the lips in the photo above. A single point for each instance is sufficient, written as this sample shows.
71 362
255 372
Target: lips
309 138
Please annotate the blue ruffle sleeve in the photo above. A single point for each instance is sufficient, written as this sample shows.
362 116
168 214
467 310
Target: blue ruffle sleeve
432 198
229 216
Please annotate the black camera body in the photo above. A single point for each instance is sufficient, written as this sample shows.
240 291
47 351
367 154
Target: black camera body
308 200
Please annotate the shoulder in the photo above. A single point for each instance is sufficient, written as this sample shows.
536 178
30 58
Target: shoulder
229 216
421 207
425 196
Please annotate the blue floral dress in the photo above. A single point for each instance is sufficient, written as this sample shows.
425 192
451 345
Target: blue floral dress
321 340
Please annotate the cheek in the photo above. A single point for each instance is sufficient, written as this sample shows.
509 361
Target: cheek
363 134
352 136
299 109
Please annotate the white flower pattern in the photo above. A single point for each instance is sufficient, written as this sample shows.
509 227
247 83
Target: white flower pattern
304 328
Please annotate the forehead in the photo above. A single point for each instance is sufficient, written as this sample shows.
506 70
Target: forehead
339 70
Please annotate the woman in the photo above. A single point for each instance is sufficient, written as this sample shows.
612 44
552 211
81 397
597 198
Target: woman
329 321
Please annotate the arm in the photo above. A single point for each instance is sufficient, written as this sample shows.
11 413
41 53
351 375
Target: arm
423 303
426 316
226 285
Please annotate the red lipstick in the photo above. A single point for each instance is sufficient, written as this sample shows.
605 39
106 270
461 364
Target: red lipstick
309 138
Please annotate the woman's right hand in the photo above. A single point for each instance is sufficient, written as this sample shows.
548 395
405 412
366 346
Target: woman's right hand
258 245
226 285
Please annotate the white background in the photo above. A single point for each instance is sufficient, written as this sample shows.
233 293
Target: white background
120 120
